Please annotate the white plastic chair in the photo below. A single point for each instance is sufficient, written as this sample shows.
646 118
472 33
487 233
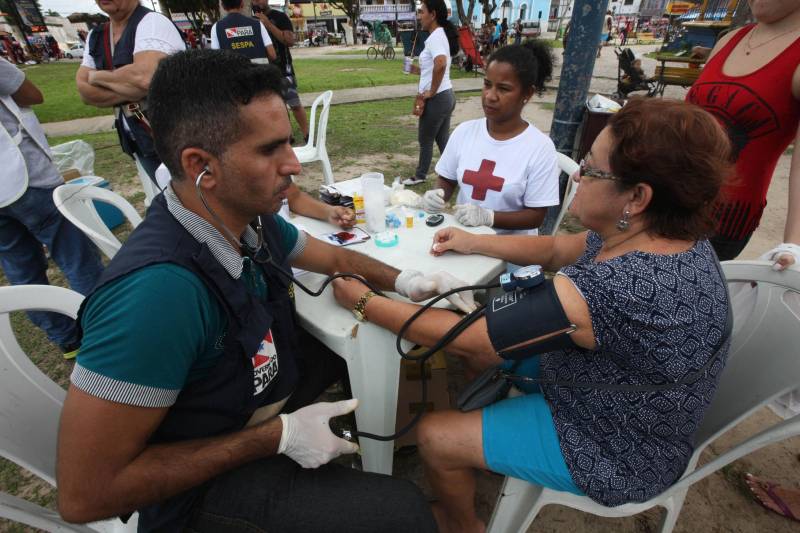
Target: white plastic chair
149 188
569 167
30 406
315 149
76 203
762 364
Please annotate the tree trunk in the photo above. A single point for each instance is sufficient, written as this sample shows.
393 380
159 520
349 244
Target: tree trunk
461 15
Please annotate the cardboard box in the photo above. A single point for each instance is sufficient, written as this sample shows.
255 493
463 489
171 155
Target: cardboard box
409 396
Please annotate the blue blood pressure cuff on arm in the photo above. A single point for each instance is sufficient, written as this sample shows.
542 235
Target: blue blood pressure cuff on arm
527 322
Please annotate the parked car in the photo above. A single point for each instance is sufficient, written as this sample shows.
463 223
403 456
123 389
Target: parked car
530 28
74 52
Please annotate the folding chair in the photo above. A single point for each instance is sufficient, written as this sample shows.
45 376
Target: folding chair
762 364
30 406
315 149
76 203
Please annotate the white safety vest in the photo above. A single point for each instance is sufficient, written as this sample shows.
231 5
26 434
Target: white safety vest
14 182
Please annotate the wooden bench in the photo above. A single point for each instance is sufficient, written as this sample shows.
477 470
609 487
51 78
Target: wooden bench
645 37
683 76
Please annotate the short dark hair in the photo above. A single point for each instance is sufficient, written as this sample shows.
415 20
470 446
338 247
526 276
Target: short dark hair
532 61
231 4
195 97
682 152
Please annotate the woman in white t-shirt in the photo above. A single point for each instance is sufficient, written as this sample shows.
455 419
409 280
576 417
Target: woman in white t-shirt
434 84
506 170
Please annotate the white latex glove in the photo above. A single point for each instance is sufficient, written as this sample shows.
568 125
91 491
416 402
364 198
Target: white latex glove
307 438
417 287
474 215
785 249
433 201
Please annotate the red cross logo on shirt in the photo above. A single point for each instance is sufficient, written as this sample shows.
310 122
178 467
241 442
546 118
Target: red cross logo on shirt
483 180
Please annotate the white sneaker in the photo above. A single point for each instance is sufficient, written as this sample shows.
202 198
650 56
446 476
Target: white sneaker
413 181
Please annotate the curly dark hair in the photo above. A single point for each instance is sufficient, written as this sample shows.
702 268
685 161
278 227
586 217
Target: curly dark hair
194 101
532 61
682 152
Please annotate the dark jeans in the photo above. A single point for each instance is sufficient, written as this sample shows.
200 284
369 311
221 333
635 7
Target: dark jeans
276 494
728 249
26 225
434 124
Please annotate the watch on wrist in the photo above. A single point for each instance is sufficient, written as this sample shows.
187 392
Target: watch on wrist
360 310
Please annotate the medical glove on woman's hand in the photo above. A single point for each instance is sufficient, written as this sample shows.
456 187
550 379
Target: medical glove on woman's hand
453 239
474 215
417 287
433 201
307 438
784 255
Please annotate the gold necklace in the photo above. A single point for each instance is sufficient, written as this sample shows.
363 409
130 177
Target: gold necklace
748 47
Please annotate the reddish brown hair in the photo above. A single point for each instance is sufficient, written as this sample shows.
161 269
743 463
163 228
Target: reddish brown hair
682 152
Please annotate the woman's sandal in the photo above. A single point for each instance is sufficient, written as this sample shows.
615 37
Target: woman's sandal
769 488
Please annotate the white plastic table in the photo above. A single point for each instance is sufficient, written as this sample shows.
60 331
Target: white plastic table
369 350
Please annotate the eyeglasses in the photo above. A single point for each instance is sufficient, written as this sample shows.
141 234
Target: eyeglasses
586 170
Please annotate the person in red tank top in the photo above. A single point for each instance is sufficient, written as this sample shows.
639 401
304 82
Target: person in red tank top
751 84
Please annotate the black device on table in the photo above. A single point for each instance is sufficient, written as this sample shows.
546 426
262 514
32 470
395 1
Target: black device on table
434 220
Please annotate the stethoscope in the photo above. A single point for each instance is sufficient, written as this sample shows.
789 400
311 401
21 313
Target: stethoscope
258 253
261 254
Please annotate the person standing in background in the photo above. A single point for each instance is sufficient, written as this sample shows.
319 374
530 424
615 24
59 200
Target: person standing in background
29 218
435 86
118 63
282 33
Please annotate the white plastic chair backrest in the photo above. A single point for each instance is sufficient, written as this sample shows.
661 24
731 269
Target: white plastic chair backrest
30 408
319 127
149 188
30 402
569 167
763 361
76 203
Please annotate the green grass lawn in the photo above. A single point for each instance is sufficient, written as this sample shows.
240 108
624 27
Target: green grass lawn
61 99
62 102
315 75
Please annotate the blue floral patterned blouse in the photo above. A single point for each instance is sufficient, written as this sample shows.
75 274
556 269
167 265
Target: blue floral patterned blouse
656 319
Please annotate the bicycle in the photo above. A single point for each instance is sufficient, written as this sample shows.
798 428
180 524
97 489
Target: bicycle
386 53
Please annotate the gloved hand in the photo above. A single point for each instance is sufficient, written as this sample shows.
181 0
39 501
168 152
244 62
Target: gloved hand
417 287
474 215
784 255
307 438
433 201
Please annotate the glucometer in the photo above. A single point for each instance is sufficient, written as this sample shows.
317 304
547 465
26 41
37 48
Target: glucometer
434 220
522 278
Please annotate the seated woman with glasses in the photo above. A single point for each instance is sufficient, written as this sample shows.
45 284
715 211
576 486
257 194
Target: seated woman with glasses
625 344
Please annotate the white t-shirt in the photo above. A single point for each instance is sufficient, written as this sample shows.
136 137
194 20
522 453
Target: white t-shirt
501 175
264 36
435 45
155 32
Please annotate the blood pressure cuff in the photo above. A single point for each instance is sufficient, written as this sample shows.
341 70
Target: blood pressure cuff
515 319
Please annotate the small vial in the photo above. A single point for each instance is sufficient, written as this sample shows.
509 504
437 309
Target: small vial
358 207
409 220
